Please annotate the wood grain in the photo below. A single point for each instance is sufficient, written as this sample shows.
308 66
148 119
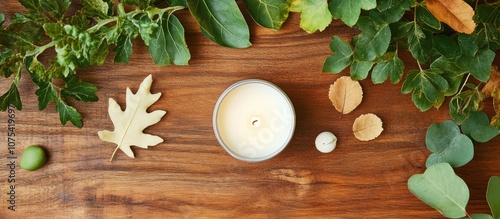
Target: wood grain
190 175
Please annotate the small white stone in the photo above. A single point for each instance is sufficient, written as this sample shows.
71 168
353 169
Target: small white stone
326 142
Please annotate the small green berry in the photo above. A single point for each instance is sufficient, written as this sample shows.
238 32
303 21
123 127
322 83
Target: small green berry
33 158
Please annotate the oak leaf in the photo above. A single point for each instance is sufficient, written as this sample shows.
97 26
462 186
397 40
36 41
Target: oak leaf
129 124
367 127
456 13
345 94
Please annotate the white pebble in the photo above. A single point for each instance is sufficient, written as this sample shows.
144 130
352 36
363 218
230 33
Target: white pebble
326 142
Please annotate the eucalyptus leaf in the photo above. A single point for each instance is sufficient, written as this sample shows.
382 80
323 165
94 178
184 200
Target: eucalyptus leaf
314 14
493 196
269 13
448 145
481 216
222 19
442 189
478 127
341 58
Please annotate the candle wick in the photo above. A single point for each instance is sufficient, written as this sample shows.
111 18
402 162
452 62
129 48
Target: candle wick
254 122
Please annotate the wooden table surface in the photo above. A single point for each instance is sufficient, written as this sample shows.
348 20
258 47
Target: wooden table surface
190 175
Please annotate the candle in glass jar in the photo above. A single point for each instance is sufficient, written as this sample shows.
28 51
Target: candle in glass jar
254 120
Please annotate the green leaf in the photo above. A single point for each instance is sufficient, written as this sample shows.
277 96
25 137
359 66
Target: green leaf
424 17
68 113
464 103
448 145
177 2
314 14
80 90
390 14
360 69
442 189
168 45
147 28
481 216
55 8
123 49
479 65
420 42
223 20
2 19
95 8
349 11
341 58
467 44
447 46
392 69
139 3
426 86
373 41
11 97
33 6
487 17
46 91
478 127
269 13
493 196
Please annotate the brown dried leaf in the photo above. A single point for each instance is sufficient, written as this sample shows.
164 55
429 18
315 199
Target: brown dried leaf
494 81
345 94
456 13
367 127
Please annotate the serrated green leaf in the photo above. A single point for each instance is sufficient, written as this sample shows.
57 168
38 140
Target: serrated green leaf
360 69
68 113
426 86
80 90
147 28
11 97
169 45
373 41
349 11
341 58
55 8
95 8
269 13
99 53
477 126
392 69
314 14
447 46
46 91
123 49
442 189
479 65
493 196
32 6
53 30
448 145
222 19
424 17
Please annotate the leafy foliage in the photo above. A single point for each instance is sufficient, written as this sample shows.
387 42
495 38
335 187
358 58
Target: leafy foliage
448 145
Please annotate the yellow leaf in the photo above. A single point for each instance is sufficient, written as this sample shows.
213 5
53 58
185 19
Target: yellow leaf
456 13
345 94
129 124
367 127
493 82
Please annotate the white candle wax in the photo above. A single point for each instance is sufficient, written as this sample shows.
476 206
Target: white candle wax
254 120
